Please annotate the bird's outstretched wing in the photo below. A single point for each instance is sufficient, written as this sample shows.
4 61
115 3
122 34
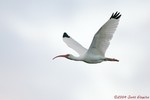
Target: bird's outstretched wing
102 38
74 44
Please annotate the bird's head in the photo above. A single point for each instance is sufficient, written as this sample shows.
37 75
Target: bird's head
65 56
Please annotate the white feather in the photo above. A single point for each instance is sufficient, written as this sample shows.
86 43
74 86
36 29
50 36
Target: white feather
75 45
102 38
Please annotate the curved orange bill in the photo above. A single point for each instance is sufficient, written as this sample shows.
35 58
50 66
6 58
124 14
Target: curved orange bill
60 56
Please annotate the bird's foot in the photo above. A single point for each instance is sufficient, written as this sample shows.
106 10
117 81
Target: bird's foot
111 59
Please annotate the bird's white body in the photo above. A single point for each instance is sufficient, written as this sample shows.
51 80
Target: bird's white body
99 45
93 58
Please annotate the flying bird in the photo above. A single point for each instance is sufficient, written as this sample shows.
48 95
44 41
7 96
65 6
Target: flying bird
99 45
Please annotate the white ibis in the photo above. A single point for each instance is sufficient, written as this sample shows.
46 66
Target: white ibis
99 45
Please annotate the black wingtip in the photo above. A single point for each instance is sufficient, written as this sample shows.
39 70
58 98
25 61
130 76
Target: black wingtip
65 35
116 15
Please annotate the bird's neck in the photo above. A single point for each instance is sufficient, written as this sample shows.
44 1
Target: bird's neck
75 58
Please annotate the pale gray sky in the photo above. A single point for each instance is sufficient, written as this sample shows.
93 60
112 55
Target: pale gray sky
31 35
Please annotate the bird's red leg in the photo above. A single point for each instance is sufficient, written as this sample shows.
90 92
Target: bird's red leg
111 59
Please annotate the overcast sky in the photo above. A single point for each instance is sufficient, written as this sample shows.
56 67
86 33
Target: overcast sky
31 35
